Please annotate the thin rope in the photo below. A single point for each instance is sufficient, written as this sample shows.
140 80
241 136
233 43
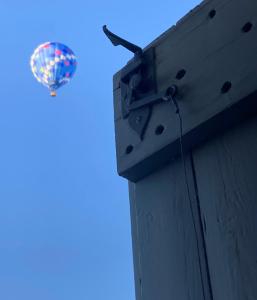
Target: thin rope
187 186
138 243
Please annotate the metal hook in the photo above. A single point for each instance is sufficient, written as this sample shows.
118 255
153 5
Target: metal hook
118 41
171 95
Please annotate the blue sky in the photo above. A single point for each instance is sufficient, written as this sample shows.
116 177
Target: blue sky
64 212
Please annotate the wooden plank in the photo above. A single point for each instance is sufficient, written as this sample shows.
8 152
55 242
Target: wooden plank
222 121
168 247
212 51
226 172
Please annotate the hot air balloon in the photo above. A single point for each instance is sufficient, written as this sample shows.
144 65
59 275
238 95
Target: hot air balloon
53 64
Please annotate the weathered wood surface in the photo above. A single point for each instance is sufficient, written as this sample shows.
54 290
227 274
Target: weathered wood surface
212 51
226 173
164 241
205 248
169 254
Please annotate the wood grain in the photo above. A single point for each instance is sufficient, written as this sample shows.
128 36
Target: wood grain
212 51
226 172
168 247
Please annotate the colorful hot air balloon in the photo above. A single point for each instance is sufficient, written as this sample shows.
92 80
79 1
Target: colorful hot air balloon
53 64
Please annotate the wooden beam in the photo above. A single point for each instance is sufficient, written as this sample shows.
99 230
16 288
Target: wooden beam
219 61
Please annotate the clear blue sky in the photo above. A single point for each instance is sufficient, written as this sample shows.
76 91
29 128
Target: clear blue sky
64 212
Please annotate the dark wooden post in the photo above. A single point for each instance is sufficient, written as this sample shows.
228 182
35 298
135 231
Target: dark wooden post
201 245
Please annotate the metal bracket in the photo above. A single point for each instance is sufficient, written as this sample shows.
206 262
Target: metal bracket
138 85
118 41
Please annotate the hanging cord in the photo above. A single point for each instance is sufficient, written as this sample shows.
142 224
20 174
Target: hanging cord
181 147
137 243
171 95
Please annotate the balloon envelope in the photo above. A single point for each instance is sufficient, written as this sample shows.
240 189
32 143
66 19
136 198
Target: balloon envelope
53 64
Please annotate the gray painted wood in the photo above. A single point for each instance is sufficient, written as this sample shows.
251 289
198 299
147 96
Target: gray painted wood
205 247
226 172
168 248
212 51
